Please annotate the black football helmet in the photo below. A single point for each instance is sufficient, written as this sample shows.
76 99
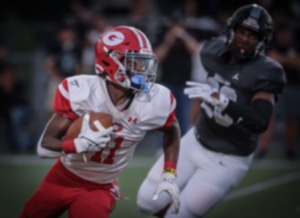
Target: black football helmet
255 18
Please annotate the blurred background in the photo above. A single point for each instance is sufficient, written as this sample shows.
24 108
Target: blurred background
42 42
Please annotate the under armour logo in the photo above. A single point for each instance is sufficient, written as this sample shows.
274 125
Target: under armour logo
132 120
236 76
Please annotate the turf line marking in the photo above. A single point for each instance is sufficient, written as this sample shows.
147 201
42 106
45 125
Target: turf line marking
264 185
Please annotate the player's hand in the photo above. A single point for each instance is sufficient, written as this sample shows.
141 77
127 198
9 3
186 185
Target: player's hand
89 140
168 185
206 93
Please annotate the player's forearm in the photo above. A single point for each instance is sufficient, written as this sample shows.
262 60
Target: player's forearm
51 139
171 152
51 143
255 117
46 153
171 142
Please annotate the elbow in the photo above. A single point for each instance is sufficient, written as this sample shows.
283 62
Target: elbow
43 152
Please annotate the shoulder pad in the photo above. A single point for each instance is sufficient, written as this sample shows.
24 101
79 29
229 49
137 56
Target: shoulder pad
271 76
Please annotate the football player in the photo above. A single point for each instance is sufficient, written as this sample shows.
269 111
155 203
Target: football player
238 89
82 179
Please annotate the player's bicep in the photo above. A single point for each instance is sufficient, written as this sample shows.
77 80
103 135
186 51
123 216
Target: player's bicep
268 96
57 126
172 120
49 144
171 127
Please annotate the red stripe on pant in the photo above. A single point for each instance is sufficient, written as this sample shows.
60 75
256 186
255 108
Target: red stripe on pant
62 190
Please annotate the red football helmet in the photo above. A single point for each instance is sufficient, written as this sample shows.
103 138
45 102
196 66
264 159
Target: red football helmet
124 56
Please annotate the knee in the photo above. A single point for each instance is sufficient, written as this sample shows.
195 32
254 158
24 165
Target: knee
144 198
150 207
144 206
200 204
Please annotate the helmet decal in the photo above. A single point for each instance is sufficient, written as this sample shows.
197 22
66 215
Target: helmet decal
113 38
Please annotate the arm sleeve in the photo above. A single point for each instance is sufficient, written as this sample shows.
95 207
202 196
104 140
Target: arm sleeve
255 117
62 103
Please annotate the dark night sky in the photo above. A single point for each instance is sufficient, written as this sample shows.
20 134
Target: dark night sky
33 10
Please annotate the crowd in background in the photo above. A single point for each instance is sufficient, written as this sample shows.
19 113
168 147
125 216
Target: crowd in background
62 47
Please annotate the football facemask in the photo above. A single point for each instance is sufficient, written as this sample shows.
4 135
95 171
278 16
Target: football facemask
136 71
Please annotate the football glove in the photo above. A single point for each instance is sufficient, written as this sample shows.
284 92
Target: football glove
89 140
168 185
206 93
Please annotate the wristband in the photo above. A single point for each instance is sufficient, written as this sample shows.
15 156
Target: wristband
170 164
170 167
171 171
68 146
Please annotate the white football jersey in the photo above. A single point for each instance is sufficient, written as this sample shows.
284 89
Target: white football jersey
82 94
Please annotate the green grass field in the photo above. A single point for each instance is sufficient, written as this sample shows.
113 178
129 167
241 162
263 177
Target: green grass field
271 189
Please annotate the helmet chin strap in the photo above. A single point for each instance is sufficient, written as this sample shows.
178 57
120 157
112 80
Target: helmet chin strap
139 82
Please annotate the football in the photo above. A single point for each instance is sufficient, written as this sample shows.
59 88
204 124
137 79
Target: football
98 121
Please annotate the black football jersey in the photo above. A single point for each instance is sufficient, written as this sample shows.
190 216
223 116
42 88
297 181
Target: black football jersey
239 82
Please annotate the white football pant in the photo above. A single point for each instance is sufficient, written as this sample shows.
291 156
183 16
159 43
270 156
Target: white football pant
204 178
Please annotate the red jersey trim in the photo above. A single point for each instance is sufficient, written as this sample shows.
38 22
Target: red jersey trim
61 104
172 117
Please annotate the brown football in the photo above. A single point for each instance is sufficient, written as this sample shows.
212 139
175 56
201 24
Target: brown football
96 118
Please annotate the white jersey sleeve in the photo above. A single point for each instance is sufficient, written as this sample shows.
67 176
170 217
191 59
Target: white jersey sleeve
161 111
